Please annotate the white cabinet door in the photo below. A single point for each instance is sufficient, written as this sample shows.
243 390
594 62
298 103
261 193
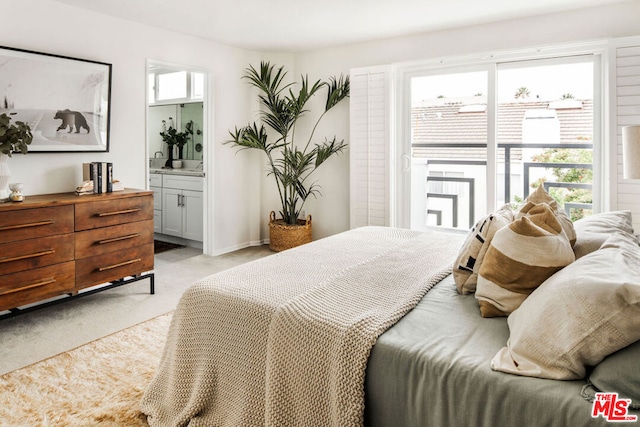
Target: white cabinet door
182 205
157 209
157 221
192 215
171 212
157 198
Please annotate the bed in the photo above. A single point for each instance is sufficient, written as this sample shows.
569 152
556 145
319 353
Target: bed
368 327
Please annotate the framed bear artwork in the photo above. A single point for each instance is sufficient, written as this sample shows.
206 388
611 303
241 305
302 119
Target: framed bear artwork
65 101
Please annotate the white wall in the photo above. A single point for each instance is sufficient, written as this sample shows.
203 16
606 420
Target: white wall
242 195
46 26
331 212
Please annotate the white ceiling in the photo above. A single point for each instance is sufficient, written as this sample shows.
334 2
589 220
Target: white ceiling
295 25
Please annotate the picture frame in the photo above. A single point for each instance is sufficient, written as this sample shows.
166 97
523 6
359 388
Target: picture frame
65 101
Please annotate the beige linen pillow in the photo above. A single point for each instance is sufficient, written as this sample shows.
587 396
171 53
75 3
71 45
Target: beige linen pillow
541 196
580 315
592 231
467 265
520 257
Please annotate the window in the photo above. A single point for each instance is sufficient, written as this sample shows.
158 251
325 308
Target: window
488 134
168 86
449 131
171 85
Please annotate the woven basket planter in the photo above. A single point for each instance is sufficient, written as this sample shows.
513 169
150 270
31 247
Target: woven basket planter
284 236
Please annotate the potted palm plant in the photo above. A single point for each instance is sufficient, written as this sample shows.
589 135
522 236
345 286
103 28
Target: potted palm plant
290 161
14 137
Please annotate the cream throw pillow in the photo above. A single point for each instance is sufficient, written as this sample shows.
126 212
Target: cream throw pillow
541 196
467 265
583 313
592 231
520 257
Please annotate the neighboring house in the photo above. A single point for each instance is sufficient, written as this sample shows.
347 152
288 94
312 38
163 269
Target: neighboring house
446 123
465 122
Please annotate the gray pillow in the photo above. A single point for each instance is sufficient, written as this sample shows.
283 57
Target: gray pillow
620 373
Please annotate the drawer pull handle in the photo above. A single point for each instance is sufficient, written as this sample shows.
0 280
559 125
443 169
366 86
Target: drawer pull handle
42 282
27 225
117 239
109 267
35 255
126 211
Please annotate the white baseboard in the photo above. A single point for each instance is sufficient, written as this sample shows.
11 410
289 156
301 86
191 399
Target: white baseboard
240 246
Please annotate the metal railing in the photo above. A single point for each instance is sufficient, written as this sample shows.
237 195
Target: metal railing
527 166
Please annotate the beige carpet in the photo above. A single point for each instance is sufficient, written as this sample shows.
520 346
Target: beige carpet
98 384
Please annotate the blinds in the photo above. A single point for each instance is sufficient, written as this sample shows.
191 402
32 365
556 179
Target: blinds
627 107
370 147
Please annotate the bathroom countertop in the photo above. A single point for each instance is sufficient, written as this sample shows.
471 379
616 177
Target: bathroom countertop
180 171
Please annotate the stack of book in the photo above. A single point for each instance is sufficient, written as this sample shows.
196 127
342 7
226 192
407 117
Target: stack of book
101 176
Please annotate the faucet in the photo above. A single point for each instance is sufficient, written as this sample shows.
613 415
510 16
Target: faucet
155 155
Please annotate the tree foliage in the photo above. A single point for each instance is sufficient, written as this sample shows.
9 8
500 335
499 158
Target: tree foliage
570 175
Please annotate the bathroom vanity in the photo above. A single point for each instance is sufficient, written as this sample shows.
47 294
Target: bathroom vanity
178 202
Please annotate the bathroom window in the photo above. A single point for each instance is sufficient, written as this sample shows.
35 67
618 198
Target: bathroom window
172 85
175 86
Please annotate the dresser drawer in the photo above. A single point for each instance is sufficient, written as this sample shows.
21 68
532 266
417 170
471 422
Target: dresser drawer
23 224
115 238
113 265
25 287
35 253
113 212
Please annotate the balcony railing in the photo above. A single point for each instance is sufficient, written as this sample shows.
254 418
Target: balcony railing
527 167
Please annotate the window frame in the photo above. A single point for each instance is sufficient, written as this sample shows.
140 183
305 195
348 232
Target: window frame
154 88
490 63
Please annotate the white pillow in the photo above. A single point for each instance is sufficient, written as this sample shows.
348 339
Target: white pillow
577 317
592 231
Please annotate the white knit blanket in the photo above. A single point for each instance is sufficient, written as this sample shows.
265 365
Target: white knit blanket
284 341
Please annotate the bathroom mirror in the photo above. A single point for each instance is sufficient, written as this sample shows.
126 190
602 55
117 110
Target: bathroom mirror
175 100
183 117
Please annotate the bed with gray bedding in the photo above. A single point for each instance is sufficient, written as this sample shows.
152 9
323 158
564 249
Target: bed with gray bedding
432 368
367 327
576 334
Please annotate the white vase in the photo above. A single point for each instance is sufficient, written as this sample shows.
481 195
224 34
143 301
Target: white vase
5 176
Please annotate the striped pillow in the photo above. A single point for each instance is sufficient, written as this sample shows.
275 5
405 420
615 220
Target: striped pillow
541 196
467 265
520 257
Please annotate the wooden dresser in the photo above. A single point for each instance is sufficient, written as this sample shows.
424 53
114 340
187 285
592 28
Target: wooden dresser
59 244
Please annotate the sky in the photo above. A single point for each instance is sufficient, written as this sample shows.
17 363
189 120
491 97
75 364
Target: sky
547 82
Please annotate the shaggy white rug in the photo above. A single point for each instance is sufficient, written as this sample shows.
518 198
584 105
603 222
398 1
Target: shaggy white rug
98 384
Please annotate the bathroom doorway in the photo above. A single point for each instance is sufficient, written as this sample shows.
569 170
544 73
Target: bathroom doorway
177 129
